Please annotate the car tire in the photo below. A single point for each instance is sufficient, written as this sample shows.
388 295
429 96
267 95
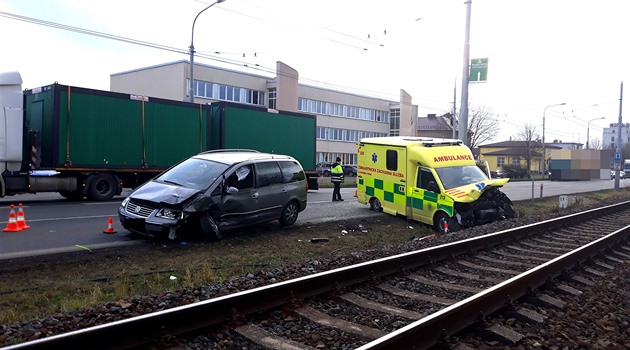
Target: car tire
351 174
375 204
289 214
209 228
439 219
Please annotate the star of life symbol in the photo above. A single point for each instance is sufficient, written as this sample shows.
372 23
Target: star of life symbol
374 158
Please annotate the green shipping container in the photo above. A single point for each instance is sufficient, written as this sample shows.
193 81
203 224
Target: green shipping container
74 128
249 127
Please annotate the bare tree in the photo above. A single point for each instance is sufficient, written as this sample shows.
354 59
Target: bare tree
532 147
595 143
483 126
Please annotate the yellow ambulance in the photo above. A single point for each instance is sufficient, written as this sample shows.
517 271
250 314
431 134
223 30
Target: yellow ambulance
433 181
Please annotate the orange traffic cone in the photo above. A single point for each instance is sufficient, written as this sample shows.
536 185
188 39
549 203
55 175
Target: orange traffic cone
110 226
356 193
21 220
12 225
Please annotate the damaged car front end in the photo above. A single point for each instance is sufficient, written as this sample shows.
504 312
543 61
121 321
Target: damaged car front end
476 199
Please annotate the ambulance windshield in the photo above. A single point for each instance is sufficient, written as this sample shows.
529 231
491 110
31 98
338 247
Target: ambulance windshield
457 176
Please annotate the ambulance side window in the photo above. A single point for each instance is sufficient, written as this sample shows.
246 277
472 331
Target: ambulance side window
391 160
425 177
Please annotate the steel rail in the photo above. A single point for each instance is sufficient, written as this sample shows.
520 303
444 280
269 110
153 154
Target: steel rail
144 329
426 332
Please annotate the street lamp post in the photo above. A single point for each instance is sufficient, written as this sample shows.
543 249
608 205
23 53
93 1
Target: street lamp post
544 153
191 90
588 129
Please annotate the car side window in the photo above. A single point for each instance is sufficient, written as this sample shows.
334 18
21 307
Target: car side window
292 172
242 178
268 173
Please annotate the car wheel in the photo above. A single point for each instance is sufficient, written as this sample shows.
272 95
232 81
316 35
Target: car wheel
351 174
289 214
102 187
375 204
209 229
326 173
439 220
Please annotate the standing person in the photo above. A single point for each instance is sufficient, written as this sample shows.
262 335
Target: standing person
336 177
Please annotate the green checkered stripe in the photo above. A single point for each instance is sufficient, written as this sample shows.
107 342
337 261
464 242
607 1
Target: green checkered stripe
391 192
388 191
430 197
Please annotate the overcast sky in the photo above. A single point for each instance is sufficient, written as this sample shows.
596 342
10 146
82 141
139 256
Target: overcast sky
540 52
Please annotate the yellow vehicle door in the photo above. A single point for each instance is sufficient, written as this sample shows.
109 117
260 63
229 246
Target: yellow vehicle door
424 194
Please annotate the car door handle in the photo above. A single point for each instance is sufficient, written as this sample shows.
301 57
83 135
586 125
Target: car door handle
255 195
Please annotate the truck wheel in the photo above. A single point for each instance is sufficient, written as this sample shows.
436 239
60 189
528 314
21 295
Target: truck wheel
72 195
103 187
375 204
289 214
209 229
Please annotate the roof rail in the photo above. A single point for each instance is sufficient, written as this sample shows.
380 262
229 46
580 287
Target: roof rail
230 150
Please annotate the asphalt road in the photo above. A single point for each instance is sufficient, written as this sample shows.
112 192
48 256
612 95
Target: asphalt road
59 225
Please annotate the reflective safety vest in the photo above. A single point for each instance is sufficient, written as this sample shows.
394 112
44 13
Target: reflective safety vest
336 174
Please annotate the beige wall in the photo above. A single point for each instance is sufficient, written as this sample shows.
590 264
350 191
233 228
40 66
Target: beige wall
164 81
408 119
286 88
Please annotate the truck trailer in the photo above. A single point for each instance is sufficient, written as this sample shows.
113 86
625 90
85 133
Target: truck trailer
434 181
91 143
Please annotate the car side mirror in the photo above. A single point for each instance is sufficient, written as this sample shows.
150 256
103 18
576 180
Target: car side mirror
231 190
433 187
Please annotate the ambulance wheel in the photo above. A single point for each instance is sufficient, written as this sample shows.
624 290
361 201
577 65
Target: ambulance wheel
209 229
375 204
439 219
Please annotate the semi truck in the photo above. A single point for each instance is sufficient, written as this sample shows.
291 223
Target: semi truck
92 143
434 181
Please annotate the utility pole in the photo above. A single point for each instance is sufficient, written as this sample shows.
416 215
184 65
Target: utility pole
463 109
454 117
619 145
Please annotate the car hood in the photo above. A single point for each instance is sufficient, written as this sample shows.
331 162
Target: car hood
472 192
158 192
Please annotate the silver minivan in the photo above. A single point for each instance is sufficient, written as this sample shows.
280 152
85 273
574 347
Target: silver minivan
214 191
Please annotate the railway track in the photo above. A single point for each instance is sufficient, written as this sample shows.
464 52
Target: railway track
415 300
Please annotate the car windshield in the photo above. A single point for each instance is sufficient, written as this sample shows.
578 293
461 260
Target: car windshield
193 173
452 177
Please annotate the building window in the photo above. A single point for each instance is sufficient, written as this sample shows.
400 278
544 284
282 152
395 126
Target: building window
516 160
339 110
394 122
500 162
228 93
272 97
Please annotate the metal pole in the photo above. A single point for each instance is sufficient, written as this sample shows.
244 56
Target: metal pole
191 90
454 118
463 109
544 154
619 137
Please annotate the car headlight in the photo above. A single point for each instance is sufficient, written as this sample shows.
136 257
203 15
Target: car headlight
170 214
124 202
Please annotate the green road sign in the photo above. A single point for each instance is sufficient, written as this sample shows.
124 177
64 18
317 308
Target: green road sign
478 70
